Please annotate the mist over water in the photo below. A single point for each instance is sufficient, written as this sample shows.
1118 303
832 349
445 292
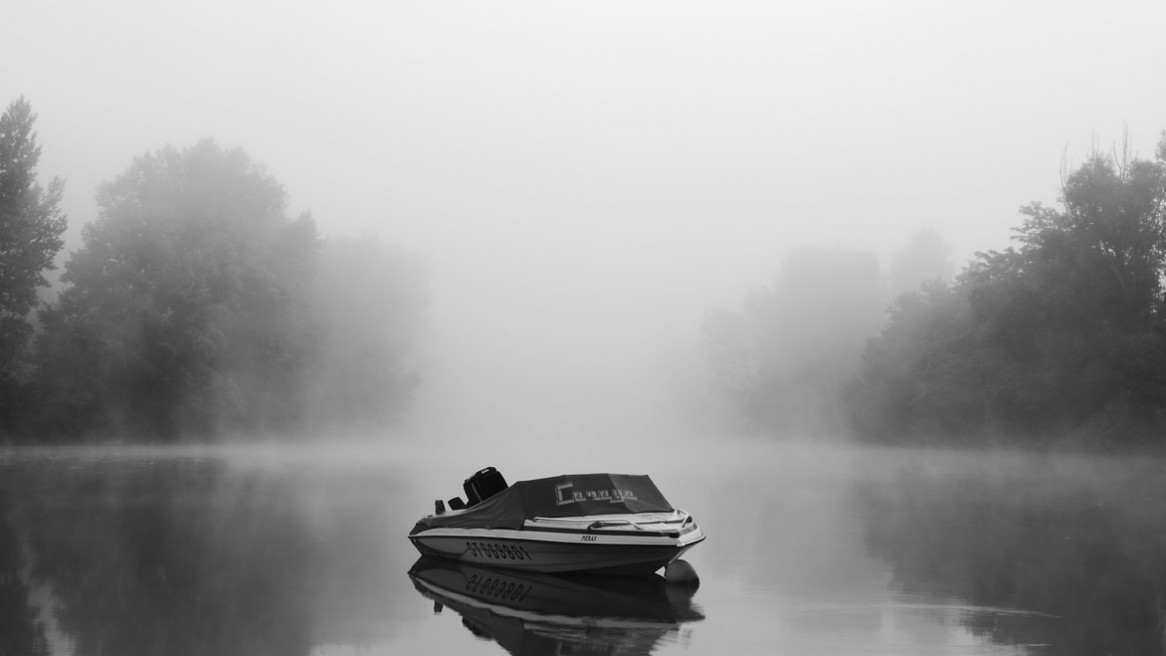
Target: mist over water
252 550
648 237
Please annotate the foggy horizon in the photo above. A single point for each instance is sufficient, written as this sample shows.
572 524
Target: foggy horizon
586 182
652 328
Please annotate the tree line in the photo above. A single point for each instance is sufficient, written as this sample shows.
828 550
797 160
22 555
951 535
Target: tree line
780 358
197 306
1057 341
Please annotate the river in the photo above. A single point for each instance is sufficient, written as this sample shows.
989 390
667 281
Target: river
255 551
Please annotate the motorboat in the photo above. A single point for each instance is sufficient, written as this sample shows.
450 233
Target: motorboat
606 523
534 613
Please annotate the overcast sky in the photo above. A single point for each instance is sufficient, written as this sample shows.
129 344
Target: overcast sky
586 179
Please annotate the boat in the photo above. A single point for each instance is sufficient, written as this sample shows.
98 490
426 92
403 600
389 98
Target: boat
533 613
604 523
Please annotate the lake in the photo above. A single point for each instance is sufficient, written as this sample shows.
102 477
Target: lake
836 550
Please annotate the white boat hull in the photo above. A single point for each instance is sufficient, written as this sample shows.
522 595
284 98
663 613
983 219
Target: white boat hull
624 544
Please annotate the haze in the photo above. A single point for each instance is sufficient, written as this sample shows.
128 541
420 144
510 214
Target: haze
587 180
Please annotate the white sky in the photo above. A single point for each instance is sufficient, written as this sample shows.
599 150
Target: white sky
586 179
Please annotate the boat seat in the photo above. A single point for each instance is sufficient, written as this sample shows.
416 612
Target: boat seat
456 503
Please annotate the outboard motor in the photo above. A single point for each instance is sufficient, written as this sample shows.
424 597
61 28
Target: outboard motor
482 485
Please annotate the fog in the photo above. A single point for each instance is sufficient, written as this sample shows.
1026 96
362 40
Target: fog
586 181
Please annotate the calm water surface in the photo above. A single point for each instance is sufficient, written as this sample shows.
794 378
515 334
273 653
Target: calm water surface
810 551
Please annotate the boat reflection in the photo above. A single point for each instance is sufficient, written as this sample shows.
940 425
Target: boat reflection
530 613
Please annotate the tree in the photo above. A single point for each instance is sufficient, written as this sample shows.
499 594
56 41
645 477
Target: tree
31 225
1064 335
1111 237
913 361
188 310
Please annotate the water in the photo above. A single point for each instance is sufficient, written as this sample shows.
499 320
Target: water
810 551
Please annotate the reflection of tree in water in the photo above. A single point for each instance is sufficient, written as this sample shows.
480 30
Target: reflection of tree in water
1091 553
20 630
170 559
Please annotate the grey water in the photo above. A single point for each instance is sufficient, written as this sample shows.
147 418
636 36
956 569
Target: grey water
810 550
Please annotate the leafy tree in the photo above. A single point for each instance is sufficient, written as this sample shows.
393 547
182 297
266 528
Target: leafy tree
906 365
1063 335
188 306
31 225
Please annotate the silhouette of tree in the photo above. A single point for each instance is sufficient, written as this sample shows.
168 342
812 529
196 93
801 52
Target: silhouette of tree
188 311
31 225
1063 335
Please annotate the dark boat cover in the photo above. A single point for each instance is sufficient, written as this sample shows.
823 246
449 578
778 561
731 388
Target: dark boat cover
576 495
